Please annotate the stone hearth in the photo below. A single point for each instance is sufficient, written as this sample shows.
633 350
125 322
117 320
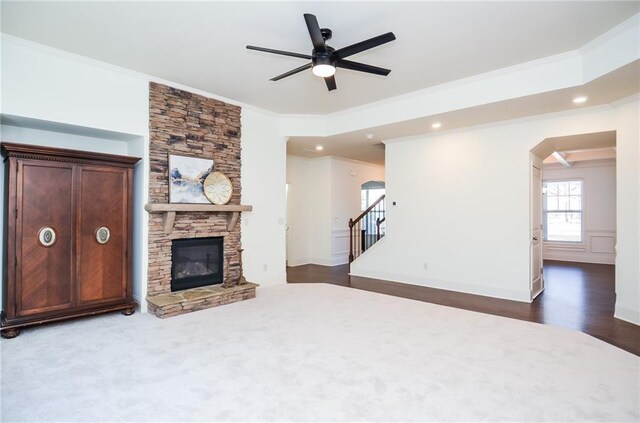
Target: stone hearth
188 124
167 305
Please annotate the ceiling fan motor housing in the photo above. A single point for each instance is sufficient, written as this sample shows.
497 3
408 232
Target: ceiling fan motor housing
323 57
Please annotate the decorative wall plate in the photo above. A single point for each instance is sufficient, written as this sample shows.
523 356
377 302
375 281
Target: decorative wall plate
218 188
47 236
103 235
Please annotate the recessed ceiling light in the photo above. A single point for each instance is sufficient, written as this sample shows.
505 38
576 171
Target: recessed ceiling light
319 147
580 100
369 136
436 125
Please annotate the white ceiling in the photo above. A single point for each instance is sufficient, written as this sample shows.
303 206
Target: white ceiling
582 142
355 145
202 44
586 155
583 147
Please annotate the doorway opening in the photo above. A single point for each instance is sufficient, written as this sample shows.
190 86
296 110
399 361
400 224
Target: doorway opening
573 217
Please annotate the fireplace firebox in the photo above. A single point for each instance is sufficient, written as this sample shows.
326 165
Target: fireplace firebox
196 262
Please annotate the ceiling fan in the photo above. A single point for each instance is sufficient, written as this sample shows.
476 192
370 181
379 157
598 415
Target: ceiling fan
325 59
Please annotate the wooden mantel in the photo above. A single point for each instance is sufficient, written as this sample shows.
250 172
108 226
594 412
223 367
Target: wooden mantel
169 212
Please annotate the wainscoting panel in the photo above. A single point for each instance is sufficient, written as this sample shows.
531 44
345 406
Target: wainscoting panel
599 246
339 246
603 244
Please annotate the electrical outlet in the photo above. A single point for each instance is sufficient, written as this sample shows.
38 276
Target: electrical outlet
264 267
425 266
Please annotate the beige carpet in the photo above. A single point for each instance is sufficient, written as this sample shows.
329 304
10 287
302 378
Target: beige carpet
316 352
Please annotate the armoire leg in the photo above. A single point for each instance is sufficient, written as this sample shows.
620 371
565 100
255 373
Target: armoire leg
10 333
129 311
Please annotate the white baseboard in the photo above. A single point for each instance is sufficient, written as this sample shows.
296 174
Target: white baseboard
141 306
627 314
298 262
339 259
333 261
468 288
322 261
580 258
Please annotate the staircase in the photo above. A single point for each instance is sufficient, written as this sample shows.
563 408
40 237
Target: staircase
366 229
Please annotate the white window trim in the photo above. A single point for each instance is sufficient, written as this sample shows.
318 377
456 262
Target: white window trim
583 234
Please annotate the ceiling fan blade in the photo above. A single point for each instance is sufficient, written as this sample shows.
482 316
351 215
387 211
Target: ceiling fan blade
364 45
314 32
331 82
361 67
291 72
284 53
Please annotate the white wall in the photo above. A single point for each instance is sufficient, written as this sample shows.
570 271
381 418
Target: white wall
462 216
263 187
54 89
599 212
46 84
25 135
628 210
319 224
324 194
298 211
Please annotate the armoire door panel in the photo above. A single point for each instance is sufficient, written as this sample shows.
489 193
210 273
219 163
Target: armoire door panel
44 273
102 266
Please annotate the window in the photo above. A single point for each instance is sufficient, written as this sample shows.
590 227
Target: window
368 196
562 211
370 192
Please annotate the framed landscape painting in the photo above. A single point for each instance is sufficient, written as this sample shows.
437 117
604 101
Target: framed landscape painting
186 175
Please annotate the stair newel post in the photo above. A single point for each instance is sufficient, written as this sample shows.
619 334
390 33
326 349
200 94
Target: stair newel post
350 240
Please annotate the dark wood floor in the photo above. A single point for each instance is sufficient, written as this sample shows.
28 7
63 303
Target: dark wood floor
579 296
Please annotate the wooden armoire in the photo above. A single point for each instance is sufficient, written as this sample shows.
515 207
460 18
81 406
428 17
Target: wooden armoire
67 235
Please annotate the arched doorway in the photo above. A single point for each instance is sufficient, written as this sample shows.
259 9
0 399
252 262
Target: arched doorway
573 215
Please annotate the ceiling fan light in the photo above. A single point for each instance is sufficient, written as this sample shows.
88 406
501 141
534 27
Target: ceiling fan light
323 70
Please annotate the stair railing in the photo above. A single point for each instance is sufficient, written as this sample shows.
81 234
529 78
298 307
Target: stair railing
366 229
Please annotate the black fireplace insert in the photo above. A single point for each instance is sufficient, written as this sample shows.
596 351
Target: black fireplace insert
196 262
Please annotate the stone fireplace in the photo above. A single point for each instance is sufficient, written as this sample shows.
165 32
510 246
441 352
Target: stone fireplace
188 124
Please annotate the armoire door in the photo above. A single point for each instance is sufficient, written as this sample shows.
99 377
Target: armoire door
102 235
44 266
